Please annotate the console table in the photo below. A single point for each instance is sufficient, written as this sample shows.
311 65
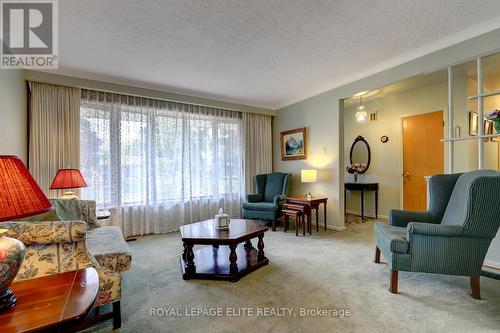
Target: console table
362 187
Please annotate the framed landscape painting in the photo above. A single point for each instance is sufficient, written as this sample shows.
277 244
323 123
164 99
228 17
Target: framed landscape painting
294 144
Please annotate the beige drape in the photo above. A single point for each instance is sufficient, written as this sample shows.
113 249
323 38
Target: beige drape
257 137
54 131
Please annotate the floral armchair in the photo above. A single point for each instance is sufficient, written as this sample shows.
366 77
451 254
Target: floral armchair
54 247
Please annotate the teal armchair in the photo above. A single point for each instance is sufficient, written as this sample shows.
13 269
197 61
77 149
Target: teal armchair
272 190
452 237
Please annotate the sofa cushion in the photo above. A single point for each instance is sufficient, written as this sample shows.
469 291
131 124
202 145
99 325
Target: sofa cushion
51 215
89 214
391 237
261 206
67 210
109 248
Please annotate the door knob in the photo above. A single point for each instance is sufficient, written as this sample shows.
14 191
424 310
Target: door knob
406 174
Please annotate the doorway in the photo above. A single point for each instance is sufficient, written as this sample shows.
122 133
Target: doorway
423 155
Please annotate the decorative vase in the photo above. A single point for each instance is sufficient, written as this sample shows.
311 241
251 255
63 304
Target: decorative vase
496 124
355 177
11 257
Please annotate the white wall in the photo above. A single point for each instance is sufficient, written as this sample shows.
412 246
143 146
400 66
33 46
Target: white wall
13 114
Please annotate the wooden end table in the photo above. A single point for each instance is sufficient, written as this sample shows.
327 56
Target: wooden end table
230 261
51 303
310 204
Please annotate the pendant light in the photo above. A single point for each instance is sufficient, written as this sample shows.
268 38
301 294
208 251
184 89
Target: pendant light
361 113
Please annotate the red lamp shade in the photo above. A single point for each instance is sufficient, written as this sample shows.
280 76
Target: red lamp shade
68 178
20 195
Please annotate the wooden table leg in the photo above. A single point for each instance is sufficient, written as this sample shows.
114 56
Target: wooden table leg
376 204
317 218
325 215
309 221
362 205
190 266
185 251
296 224
286 222
304 217
233 266
248 244
260 246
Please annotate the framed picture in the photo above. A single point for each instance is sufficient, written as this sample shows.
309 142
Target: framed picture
488 129
473 123
294 144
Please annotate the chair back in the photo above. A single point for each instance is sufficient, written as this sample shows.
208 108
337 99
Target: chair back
272 184
440 189
475 203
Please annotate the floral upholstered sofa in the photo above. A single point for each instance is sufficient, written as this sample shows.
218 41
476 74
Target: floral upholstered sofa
54 247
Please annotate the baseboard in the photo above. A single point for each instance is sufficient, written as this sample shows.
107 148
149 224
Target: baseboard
367 214
492 264
334 227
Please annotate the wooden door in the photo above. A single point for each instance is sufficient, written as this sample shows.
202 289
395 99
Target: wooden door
423 155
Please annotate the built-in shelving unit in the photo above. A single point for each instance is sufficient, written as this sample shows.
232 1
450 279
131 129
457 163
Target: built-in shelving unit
480 96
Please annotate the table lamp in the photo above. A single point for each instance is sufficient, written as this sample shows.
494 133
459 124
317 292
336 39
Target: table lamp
308 176
68 179
20 196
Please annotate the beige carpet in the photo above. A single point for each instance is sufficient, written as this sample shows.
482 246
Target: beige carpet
328 270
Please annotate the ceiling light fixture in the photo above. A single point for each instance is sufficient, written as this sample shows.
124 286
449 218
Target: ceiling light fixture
361 113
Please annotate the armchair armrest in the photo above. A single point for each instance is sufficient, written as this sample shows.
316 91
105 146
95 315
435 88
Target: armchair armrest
279 199
47 232
433 230
254 197
401 218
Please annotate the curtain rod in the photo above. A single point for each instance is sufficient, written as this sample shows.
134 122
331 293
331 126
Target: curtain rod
144 96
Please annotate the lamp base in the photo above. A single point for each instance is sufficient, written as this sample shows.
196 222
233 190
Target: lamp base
308 196
68 195
11 257
7 300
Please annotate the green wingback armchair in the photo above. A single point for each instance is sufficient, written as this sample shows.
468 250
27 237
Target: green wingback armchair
272 190
451 238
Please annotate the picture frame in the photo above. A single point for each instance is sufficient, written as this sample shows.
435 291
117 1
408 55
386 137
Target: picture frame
473 123
488 129
294 144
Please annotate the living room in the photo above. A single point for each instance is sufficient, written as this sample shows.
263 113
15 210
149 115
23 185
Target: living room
196 165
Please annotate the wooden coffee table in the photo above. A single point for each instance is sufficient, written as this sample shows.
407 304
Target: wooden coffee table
51 303
227 258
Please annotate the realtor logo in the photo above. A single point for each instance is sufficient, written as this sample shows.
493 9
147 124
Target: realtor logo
28 31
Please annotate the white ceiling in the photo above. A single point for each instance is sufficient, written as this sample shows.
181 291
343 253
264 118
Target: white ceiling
267 53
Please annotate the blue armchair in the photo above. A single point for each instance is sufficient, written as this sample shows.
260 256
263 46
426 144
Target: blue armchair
451 238
272 190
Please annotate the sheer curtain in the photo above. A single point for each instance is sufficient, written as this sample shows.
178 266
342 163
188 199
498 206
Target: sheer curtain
159 164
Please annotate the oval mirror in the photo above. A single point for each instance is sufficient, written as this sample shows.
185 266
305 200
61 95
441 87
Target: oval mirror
360 152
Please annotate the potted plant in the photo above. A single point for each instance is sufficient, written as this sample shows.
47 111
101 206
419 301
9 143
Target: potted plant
356 169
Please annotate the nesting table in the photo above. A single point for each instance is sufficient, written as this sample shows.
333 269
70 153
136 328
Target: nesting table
231 254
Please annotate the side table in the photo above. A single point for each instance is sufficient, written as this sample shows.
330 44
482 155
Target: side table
310 204
51 303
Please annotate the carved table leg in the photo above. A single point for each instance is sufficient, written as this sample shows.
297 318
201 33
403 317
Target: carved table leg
260 246
190 267
185 251
248 244
233 266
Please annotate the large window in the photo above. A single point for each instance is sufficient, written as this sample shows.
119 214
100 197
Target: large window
149 153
